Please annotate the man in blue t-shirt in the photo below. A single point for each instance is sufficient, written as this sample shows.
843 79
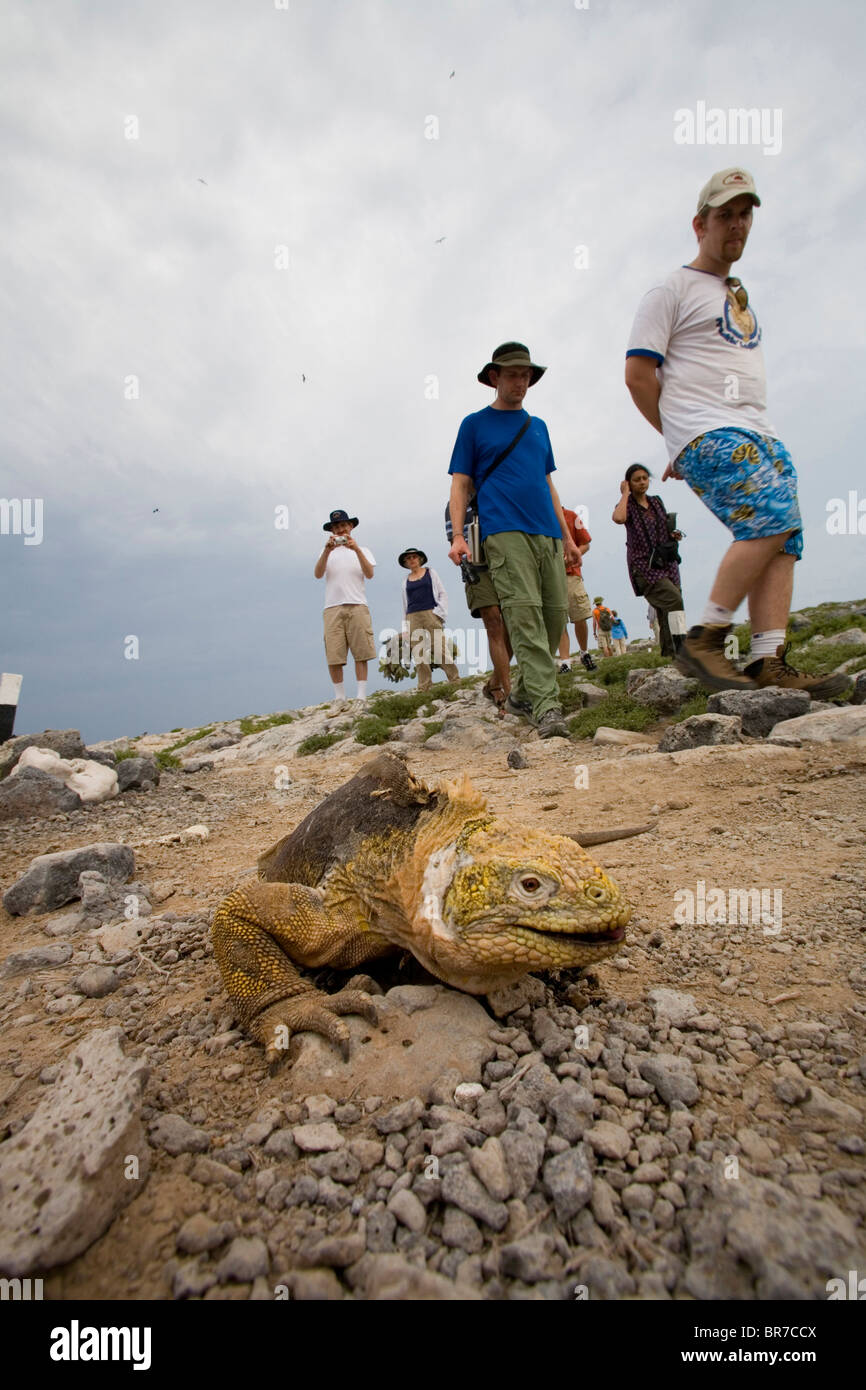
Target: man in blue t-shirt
523 530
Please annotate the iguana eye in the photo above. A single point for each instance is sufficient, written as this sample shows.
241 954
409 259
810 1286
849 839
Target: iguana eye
530 884
532 889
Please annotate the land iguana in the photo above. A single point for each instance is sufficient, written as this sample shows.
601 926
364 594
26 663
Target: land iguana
386 863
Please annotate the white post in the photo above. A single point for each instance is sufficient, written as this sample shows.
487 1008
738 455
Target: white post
10 689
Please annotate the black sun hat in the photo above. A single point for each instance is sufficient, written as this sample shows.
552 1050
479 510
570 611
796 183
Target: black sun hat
411 550
336 516
511 355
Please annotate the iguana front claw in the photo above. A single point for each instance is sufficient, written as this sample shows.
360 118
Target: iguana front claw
312 1012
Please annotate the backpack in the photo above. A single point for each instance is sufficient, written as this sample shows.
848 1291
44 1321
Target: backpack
605 620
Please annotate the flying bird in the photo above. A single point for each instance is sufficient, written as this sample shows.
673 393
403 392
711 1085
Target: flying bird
207 185
303 378
439 239
450 75
155 510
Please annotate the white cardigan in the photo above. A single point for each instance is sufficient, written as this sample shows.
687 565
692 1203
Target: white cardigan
440 606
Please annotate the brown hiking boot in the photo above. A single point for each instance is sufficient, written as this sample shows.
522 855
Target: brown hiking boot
702 656
774 670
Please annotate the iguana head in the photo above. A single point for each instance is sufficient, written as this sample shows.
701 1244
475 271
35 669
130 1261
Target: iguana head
500 900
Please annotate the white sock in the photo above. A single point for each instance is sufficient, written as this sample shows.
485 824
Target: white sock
362 690
339 691
766 643
714 615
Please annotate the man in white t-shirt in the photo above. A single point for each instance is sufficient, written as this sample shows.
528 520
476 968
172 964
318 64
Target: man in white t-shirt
348 626
695 370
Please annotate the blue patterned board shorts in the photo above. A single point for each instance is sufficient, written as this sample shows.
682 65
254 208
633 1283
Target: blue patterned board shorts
748 481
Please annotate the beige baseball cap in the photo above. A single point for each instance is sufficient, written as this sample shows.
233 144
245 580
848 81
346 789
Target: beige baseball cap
727 184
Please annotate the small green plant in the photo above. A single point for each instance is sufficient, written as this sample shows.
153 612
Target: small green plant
256 724
191 738
433 726
122 753
372 730
617 712
696 705
316 742
166 759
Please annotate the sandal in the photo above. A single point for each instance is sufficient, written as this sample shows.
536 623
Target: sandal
490 692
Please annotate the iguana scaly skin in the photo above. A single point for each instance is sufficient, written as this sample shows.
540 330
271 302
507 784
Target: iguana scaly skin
386 863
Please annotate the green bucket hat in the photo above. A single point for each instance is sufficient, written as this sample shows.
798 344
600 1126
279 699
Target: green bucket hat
511 355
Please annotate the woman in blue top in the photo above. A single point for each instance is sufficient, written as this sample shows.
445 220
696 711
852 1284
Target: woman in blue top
425 607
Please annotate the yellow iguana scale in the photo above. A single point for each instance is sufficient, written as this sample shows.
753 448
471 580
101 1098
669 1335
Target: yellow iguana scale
387 863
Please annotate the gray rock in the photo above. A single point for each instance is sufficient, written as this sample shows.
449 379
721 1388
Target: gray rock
859 694
850 636
408 1209
37 958
592 694
523 1155
609 1140
52 879
828 726
340 1166
760 710
621 737
32 792
489 1166
757 1240
137 774
572 1107
673 1005
200 1233
392 1279
335 1252
96 981
66 742
66 1174
314 1285
460 1232
400 1116
317 1138
672 1076
529 990
461 1188
177 1136
516 759
281 1144
663 688
568 1180
412 998
245 1259
701 731
530 1258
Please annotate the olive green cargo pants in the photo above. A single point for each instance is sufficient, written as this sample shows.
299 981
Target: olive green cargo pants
529 575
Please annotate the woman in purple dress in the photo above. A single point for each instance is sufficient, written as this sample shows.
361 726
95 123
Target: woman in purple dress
652 568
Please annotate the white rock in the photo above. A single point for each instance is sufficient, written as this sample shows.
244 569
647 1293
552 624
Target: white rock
91 780
827 726
68 1172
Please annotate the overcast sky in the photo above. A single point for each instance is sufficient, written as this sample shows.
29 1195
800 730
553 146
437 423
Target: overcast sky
156 329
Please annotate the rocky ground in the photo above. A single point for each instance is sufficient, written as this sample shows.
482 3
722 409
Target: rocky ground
687 1122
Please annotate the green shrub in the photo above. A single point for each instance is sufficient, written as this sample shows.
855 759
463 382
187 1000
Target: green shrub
166 759
433 726
255 724
316 742
619 711
125 753
696 705
371 730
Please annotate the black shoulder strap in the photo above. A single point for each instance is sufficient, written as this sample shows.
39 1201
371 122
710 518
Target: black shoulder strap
500 458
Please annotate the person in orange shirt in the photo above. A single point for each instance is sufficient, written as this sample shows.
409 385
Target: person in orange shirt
602 622
579 606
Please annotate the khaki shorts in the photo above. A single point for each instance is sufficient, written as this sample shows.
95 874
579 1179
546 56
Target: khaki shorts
348 628
579 606
482 594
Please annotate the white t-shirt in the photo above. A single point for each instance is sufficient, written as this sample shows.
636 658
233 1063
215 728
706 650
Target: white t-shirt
710 361
344 578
